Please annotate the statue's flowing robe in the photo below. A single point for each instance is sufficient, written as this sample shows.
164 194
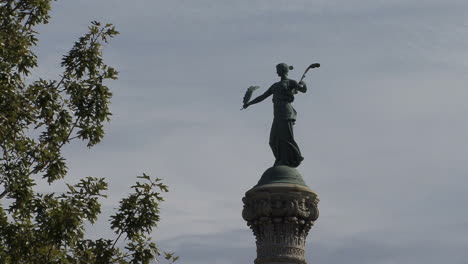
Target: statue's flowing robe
282 143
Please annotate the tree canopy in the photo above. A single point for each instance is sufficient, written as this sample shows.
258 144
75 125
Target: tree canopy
37 119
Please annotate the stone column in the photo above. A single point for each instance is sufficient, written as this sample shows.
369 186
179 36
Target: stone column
280 210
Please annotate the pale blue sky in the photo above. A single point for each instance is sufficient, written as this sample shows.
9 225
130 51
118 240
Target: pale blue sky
383 127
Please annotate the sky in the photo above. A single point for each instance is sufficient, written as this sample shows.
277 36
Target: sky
383 126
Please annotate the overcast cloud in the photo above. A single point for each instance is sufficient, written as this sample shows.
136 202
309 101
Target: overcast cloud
383 128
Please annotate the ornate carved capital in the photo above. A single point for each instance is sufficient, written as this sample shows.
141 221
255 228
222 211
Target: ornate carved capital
280 216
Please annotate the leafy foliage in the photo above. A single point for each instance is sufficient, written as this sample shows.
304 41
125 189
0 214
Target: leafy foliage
37 119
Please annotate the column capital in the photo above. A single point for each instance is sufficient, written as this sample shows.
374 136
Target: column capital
280 216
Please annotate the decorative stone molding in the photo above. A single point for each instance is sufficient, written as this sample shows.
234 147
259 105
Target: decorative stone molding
280 216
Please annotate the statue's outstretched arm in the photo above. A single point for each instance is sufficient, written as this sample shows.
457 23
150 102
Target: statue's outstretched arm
260 98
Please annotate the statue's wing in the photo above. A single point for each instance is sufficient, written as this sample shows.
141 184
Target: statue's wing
248 93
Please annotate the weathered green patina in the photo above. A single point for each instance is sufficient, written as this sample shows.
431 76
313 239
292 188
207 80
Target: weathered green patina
281 174
282 143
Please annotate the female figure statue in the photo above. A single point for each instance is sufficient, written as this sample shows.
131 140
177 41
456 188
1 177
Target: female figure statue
285 149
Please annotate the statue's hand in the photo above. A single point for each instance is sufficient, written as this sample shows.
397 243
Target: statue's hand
245 105
302 83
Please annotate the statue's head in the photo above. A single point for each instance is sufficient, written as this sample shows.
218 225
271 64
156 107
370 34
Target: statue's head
282 69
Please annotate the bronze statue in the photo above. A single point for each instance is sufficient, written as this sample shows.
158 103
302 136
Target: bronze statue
282 143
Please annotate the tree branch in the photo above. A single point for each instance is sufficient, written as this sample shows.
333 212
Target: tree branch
3 194
117 239
67 139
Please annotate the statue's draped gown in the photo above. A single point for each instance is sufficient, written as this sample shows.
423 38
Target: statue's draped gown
282 143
